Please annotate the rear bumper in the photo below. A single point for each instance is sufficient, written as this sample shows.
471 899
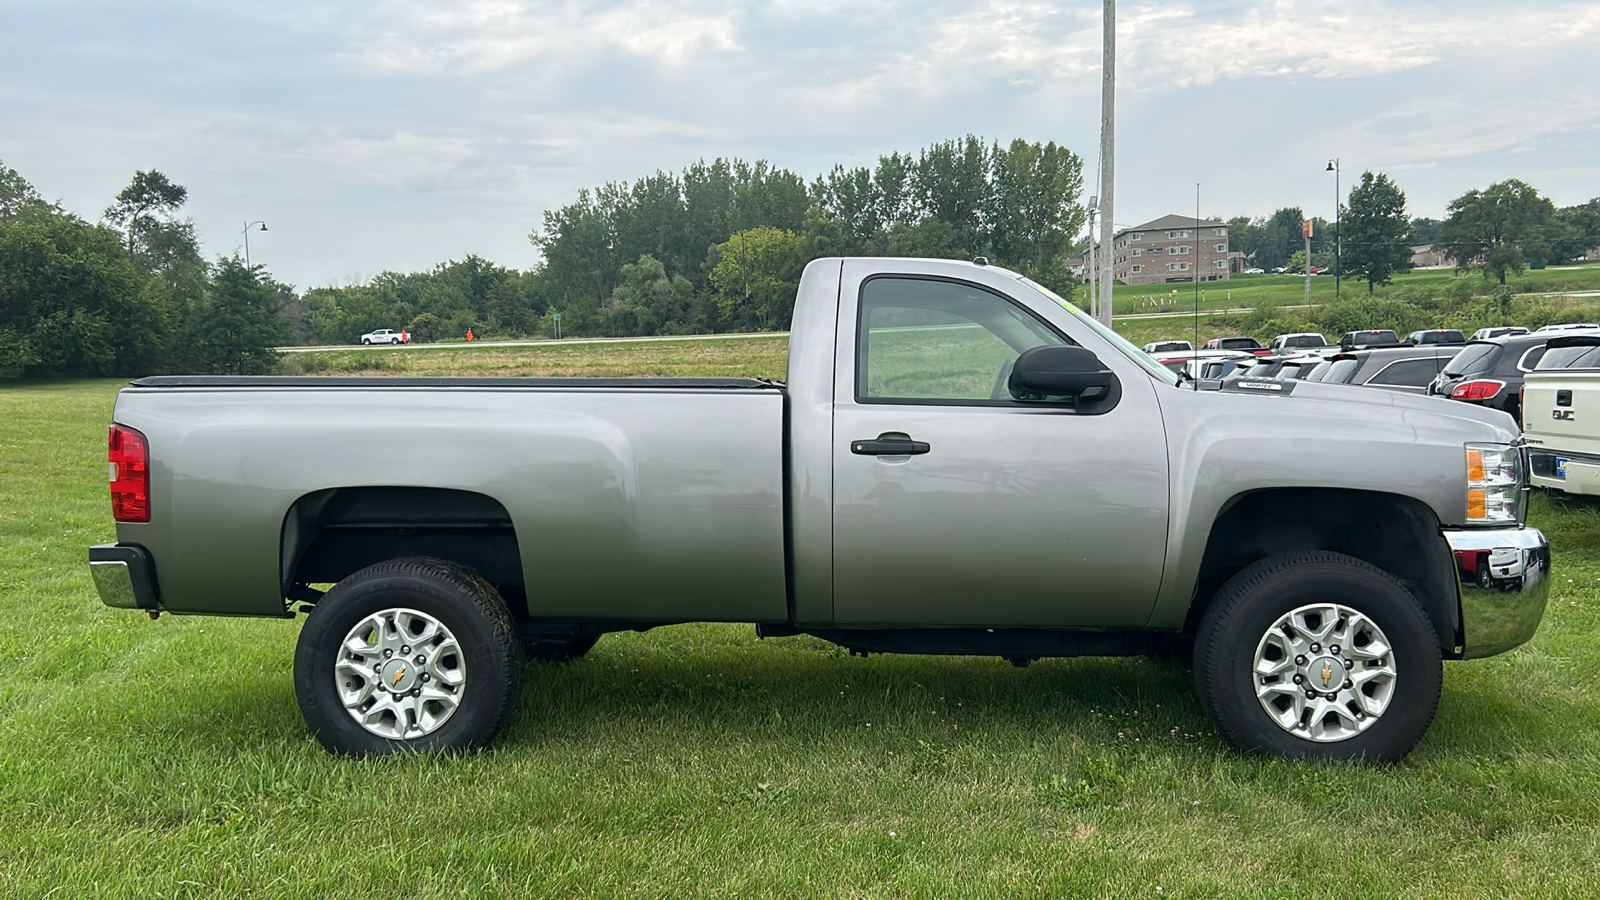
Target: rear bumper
1582 471
125 576
1505 581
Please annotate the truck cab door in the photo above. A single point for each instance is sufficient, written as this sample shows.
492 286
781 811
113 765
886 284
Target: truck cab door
956 504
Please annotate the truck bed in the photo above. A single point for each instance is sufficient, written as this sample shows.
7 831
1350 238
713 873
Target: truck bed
627 499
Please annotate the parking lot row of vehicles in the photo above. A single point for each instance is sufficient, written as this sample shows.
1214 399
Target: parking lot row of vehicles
1547 380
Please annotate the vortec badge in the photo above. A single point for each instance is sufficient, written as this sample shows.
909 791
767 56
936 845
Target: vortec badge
1564 415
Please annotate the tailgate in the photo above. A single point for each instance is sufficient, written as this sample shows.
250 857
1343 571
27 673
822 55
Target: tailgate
1561 423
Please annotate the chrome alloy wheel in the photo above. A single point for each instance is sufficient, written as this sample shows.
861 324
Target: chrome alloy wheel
1324 672
400 674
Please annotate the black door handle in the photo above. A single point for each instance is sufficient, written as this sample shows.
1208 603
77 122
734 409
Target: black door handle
890 443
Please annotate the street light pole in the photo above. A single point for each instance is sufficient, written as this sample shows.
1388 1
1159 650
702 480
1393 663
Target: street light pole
1338 233
247 239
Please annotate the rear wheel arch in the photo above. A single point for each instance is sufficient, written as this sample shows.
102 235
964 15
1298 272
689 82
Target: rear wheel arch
329 534
1395 533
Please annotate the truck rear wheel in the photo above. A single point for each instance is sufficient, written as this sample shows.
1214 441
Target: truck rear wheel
1321 656
411 654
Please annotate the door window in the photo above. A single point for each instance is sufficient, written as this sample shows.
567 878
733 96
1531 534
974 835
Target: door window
1411 372
923 340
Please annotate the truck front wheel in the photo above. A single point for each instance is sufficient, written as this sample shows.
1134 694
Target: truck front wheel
1318 655
411 654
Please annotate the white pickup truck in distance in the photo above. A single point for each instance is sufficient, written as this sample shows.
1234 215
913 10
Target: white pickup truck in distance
960 462
1561 415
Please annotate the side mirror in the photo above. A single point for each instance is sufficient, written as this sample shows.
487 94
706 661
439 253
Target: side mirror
1050 372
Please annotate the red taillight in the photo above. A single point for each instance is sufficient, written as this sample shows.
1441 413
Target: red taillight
1476 390
130 475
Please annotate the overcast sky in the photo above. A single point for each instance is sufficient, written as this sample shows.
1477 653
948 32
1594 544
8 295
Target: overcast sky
395 135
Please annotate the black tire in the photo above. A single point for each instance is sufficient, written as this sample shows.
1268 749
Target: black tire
558 650
365 342
1256 598
453 595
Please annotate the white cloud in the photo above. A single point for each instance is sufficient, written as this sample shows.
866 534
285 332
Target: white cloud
397 133
480 36
1178 47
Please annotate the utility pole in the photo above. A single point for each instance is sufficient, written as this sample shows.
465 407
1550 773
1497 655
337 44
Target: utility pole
1305 232
1093 273
1108 144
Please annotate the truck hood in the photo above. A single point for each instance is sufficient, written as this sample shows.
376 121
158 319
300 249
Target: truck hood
1351 400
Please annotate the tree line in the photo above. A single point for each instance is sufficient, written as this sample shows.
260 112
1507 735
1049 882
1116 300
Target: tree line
717 246
128 295
1501 229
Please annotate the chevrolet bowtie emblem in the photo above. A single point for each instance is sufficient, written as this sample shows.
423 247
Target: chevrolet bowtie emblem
401 672
1327 673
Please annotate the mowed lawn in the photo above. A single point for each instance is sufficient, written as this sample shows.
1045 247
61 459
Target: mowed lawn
168 758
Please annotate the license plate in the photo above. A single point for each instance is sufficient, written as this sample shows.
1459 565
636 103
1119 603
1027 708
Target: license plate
1561 467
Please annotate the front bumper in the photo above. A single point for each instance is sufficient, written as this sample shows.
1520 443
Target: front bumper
125 576
1505 581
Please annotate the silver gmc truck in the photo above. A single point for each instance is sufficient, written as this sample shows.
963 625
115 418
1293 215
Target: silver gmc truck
960 462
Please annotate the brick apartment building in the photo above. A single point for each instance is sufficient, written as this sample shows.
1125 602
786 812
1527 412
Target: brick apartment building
1171 249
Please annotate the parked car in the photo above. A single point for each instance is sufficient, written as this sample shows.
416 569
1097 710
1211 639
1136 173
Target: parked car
1255 271
1377 337
1247 344
1293 368
1303 341
1490 372
1167 346
1570 326
1177 360
1451 336
1277 270
1561 415
1483 334
1217 367
383 336
1405 369
1047 491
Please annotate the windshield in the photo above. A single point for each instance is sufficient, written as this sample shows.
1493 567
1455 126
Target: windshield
1472 358
1584 356
1144 360
1340 372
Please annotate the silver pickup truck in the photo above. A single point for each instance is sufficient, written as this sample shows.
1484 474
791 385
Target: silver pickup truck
960 462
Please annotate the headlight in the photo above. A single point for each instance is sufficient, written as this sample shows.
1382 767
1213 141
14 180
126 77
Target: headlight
1494 483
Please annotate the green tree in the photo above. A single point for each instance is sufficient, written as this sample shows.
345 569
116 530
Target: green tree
240 325
72 302
1580 230
1375 231
766 261
17 196
648 300
1500 227
1279 238
1033 211
148 195
1423 231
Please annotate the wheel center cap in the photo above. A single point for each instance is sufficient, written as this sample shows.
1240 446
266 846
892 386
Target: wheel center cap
1326 673
399 675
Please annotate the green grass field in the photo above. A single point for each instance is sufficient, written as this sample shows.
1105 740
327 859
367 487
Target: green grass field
168 758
